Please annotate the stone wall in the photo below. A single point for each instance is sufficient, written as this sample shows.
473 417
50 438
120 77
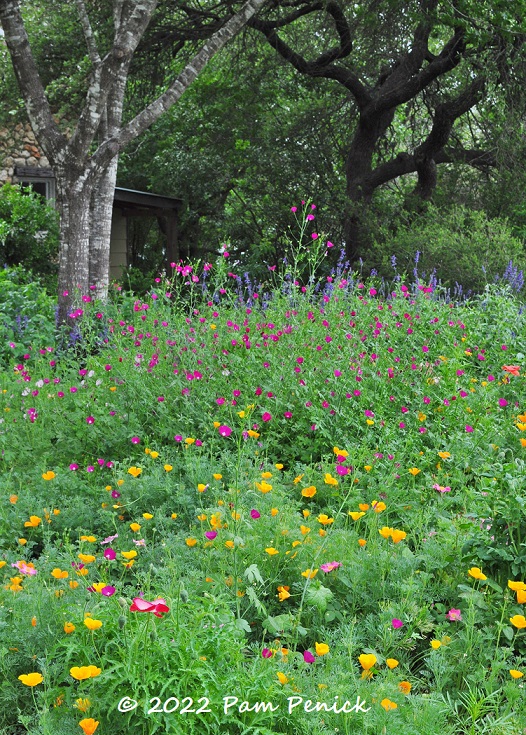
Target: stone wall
18 147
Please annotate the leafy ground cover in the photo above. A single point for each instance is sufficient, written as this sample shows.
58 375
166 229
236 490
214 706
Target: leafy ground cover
281 509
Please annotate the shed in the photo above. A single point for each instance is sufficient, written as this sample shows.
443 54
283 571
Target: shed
127 203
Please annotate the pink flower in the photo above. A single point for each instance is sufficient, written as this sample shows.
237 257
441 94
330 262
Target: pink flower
469 429
454 614
158 606
308 657
109 539
73 467
266 653
396 623
135 440
109 554
255 514
266 416
329 244
90 420
224 430
108 591
330 566
441 489
210 535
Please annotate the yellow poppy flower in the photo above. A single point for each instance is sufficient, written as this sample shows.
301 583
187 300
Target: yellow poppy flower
476 573
129 554
367 660
31 680
392 663
59 574
519 621
92 624
271 551
282 678
388 705
321 649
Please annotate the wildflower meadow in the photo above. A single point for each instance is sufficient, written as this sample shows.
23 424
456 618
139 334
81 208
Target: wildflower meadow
258 508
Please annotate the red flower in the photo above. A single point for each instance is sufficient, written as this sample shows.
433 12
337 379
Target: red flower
158 606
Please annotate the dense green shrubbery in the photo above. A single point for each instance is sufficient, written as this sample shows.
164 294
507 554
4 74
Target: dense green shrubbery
460 245
28 233
27 314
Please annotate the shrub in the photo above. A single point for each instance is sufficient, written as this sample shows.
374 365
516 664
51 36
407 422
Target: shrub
461 245
28 232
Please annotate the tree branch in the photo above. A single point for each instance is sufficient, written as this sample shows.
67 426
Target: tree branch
404 163
152 112
322 66
107 75
91 43
29 81
409 87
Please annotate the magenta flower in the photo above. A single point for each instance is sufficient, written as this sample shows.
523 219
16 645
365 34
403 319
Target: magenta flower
469 429
308 657
135 440
396 623
266 416
90 420
503 402
73 467
266 653
224 430
210 535
109 554
454 614
178 438
255 514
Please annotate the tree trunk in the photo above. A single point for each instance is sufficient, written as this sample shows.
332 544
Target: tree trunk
360 185
100 230
73 199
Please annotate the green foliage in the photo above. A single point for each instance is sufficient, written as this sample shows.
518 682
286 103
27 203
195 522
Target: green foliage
26 314
459 245
28 232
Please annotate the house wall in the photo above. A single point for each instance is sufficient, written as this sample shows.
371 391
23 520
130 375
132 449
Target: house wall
18 147
118 245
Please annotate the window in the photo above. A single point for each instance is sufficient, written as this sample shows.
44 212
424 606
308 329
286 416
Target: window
41 181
